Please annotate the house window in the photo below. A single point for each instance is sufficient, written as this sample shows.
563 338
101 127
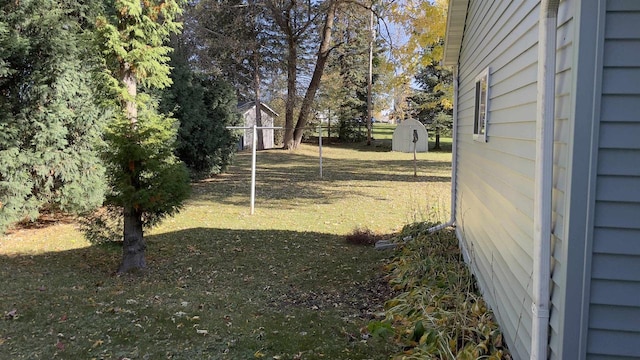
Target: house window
482 107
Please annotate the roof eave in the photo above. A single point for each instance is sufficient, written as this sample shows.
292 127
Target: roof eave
273 112
248 106
456 16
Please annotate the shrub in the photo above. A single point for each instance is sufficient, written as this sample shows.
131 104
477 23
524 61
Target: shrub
362 237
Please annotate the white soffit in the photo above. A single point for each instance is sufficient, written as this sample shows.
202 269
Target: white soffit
456 16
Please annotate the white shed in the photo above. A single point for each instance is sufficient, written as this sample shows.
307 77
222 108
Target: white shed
267 115
403 137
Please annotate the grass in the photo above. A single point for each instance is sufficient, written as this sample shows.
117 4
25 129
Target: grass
382 131
223 284
383 134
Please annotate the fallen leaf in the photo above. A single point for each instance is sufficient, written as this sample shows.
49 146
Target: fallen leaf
13 314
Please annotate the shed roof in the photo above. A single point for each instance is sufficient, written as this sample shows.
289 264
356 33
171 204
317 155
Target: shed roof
243 108
456 17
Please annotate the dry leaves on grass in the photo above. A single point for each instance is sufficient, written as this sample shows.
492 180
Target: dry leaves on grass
363 300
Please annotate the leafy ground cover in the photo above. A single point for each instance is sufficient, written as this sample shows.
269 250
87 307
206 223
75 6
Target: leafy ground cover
437 312
222 284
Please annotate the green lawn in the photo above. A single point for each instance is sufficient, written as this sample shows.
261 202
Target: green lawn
224 284
382 131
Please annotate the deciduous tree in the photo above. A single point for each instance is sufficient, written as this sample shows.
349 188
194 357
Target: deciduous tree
236 39
299 36
296 20
424 24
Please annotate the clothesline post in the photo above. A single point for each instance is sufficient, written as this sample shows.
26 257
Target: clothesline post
320 147
253 157
253 168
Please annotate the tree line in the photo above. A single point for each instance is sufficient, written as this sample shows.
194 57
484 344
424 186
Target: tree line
118 104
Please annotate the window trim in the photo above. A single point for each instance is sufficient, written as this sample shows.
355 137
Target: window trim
480 130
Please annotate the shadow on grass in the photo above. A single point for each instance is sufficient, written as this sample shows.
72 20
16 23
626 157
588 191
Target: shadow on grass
207 293
286 175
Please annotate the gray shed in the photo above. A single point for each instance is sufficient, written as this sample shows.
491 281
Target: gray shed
266 136
587 89
403 137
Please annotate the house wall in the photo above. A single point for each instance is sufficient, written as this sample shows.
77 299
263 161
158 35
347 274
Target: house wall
614 308
495 179
495 188
564 121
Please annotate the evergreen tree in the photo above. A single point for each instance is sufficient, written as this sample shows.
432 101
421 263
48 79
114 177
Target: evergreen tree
329 99
349 66
147 181
222 111
49 123
433 104
204 107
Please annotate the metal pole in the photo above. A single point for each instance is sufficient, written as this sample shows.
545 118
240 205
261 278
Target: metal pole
320 147
370 79
253 169
253 156
415 160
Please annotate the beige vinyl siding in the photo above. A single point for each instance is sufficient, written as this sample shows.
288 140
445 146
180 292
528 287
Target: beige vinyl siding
495 179
614 312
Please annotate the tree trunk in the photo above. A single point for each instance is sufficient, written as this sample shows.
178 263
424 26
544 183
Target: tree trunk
370 80
292 64
437 145
134 246
329 128
323 55
129 80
